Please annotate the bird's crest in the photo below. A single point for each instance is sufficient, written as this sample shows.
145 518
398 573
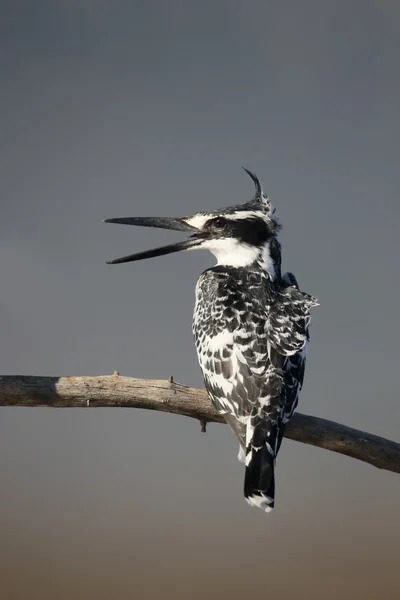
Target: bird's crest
259 196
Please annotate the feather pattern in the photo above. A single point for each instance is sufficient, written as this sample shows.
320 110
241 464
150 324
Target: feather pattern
251 335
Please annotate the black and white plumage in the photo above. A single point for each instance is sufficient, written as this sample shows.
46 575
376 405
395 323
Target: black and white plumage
250 326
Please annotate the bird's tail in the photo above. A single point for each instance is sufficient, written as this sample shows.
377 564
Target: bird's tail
259 481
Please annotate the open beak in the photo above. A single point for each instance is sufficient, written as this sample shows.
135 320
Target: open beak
163 223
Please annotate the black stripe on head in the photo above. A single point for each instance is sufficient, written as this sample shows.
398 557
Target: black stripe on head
251 231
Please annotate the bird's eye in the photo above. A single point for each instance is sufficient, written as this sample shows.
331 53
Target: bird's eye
219 223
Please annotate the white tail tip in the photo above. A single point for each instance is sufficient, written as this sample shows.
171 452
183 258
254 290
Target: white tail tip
261 501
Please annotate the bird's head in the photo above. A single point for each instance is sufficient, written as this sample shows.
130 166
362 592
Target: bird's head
243 235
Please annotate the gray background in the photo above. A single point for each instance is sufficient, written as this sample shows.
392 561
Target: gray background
150 108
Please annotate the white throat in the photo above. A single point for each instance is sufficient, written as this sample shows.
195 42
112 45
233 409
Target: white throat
230 252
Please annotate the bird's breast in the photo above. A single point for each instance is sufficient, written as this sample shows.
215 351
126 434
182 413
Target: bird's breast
228 311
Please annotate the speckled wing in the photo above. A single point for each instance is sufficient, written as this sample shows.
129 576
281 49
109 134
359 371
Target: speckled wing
289 318
232 376
257 359
288 336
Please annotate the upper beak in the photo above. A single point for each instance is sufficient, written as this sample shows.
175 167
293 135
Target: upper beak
163 223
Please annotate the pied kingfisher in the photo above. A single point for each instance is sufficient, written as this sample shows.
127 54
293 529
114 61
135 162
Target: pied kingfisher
250 326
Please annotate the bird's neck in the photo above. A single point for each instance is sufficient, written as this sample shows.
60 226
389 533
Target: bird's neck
239 255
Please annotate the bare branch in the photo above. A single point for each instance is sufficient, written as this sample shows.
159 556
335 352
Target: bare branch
169 396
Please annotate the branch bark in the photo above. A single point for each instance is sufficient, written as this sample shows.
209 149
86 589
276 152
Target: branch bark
172 397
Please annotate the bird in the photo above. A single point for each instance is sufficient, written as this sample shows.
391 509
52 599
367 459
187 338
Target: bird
250 327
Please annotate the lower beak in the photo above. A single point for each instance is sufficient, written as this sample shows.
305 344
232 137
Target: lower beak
162 223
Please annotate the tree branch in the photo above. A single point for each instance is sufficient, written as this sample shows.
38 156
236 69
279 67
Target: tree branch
171 397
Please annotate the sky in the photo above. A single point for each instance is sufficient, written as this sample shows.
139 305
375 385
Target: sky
151 108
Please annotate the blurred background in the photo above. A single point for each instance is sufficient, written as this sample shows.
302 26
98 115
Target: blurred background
150 108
